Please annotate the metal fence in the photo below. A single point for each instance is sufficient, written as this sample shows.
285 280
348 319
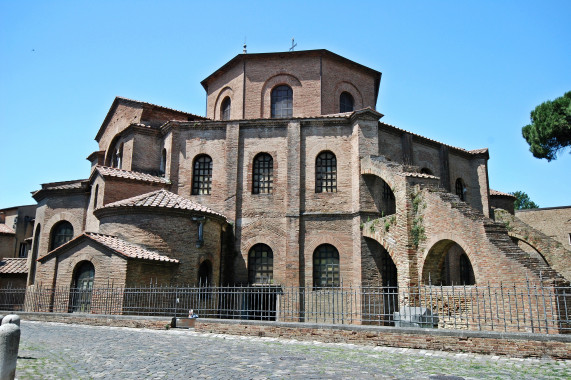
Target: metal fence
524 307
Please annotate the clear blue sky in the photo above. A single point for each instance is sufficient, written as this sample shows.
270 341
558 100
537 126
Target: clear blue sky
463 73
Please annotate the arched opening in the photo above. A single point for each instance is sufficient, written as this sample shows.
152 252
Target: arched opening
32 274
529 249
282 101
117 156
61 233
263 174
460 189
225 108
447 264
260 264
326 273
426 171
163 165
382 194
205 273
326 172
81 287
346 102
202 175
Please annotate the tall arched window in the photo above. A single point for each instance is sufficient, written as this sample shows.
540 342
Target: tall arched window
202 175
163 165
95 196
205 273
61 234
282 101
260 264
263 174
117 156
225 109
80 297
466 271
326 173
460 189
346 102
326 267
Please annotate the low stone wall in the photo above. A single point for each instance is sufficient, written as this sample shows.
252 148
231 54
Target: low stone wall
481 342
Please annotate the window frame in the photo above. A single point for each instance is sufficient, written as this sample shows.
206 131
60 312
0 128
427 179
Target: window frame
326 172
281 105
260 265
202 175
326 252
61 233
346 102
225 108
460 188
263 174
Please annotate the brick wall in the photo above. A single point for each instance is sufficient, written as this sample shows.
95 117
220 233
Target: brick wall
554 222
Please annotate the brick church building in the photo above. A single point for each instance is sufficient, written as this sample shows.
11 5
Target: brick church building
291 179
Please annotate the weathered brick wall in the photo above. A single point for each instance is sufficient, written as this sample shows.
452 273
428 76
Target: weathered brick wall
230 83
147 149
114 189
7 245
122 117
554 222
174 235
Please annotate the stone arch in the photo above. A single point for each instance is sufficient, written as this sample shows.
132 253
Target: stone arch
76 223
447 262
345 86
270 84
222 94
205 272
527 246
81 286
111 150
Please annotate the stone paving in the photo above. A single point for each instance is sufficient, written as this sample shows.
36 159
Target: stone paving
62 351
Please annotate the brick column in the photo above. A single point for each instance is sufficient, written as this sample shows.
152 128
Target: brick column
293 275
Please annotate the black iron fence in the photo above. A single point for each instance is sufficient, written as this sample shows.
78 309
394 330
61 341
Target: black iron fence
525 308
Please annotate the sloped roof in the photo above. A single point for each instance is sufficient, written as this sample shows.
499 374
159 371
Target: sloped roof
13 266
162 199
5 230
116 245
63 186
107 171
499 193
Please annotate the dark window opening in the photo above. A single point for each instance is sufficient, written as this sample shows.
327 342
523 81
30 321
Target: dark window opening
225 109
326 267
61 234
326 173
80 297
263 174
202 175
117 156
23 251
282 102
260 264
346 102
461 189
163 165
426 171
205 273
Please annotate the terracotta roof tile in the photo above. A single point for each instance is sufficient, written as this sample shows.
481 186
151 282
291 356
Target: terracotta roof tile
5 230
499 193
128 250
65 185
13 266
420 175
164 199
107 171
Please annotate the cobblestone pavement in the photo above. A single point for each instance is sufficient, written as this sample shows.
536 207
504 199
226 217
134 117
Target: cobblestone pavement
61 351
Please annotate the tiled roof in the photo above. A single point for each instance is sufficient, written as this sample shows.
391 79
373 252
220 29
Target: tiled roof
13 266
65 185
157 106
128 250
495 192
5 230
163 199
420 175
117 245
107 171
478 151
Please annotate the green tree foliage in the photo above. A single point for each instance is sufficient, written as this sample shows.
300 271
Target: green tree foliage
522 201
550 128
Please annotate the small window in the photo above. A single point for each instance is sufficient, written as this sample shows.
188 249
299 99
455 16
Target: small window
61 234
117 156
225 109
260 264
282 102
326 173
163 165
202 175
326 267
23 252
460 189
263 174
95 196
346 102
426 171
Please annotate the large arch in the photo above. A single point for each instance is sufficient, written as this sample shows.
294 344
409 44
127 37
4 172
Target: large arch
224 92
270 84
81 287
447 263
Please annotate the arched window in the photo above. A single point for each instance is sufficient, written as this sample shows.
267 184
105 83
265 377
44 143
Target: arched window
466 271
326 173
282 101
163 166
205 273
80 297
346 102
460 189
225 109
202 175
263 174
95 196
117 156
260 264
61 234
326 267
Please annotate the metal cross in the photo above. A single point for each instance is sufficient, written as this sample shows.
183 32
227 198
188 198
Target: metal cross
293 45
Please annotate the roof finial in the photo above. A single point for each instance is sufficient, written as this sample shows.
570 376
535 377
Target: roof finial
244 51
293 45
